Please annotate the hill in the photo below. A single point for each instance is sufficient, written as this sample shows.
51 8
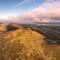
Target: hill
26 44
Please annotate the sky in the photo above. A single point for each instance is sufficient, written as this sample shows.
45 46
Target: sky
15 7
30 10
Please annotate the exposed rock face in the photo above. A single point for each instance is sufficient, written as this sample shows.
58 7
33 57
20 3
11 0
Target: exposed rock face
9 27
3 27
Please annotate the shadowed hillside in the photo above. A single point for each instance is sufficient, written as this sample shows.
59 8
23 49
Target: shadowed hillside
26 44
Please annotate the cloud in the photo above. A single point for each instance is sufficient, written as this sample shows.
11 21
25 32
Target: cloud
46 12
51 9
24 2
52 0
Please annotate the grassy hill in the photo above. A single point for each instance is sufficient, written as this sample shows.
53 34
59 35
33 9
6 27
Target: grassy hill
26 44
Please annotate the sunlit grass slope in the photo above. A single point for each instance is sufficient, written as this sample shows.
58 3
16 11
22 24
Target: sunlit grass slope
26 44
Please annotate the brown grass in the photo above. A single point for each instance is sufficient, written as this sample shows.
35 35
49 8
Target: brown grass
25 44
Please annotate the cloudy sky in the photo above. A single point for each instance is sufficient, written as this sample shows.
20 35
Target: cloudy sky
15 7
30 10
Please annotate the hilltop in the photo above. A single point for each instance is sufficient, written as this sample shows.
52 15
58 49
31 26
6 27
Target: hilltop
19 42
26 44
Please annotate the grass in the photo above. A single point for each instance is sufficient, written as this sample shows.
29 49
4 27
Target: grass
25 44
